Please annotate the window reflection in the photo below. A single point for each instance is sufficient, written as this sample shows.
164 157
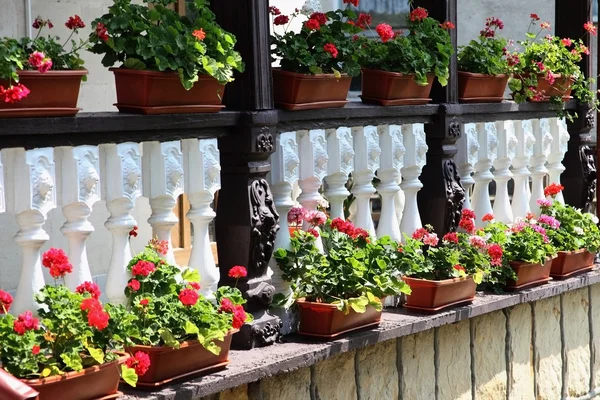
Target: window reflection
392 12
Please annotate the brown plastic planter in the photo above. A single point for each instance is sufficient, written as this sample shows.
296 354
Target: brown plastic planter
432 296
569 263
561 87
529 275
326 321
98 382
481 88
150 92
393 89
294 91
52 94
190 359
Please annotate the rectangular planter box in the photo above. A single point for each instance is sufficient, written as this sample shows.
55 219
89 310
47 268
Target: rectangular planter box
98 382
432 296
190 359
150 92
481 88
393 89
529 275
569 263
294 91
326 321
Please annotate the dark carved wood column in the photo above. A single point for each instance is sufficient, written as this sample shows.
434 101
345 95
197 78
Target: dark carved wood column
247 221
442 189
579 178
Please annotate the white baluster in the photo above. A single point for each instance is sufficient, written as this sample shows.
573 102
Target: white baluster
162 164
79 190
399 201
366 163
541 150
312 150
560 140
414 161
340 165
507 143
121 172
284 173
202 180
488 145
30 183
392 158
468 149
524 150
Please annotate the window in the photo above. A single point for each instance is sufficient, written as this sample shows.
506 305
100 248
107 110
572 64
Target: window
392 12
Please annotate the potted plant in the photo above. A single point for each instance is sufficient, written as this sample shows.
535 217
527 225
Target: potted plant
483 65
340 289
445 274
547 70
183 333
399 69
41 76
317 63
578 238
75 349
169 63
527 251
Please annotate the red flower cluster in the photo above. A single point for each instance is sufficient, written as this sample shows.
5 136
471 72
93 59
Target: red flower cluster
161 246
491 24
590 27
459 268
101 31
194 285
89 287
134 285
385 32
6 301
140 362
553 189
353 2
349 229
199 34
488 218
144 302
566 42
447 25
364 20
57 262
188 297
15 93
26 322
512 60
418 14
40 61
281 20
316 218
143 268
534 17
74 23
35 350
133 232
226 306
40 23
320 17
451 237
237 272
239 315
274 10
331 49
467 221
495 253
312 25
313 232
545 25
97 317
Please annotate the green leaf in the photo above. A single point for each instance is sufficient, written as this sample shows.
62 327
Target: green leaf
359 304
213 348
72 361
168 338
129 375
229 39
191 328
134 63
96 354
191 275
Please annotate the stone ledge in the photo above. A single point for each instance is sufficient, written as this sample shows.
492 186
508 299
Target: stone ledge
297 352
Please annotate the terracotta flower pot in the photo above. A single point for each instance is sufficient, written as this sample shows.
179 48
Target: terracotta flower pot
294 91
52 94
529 275
560 87
190 359
569 263
481 88
326 321
393 89
98 382
432 296
150 92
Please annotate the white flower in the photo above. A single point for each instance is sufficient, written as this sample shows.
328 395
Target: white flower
578 230
311 6
323 203
595 219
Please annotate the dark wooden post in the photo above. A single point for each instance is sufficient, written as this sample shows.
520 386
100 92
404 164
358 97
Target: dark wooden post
442 189
579 177
247 221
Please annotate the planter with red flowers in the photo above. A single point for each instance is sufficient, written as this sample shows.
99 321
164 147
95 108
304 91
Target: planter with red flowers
75 350
317 63
577 240
40 77
339 288
183 333
395 70
178 66
445 274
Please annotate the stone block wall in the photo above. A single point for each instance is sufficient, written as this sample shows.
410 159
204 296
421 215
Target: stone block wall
544 350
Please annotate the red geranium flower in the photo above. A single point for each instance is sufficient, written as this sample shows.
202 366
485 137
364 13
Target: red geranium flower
590 27
133 232
98 318
545 25
239 317
353 2
226 306
313 232
331 49
451 237
320 17
466 213
553 189
467 224
495 253
57 262
238 272
420 233
534 17
447 25
74 23
194 285
312 25
274 10
90 304
488 218
143 302
143 268
134 285
188 297
281 20
160 246
89 287
385 32
364 20
6 301
25 322
140 362
459 268
567 42
418 14
14 93
101 31
35 350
